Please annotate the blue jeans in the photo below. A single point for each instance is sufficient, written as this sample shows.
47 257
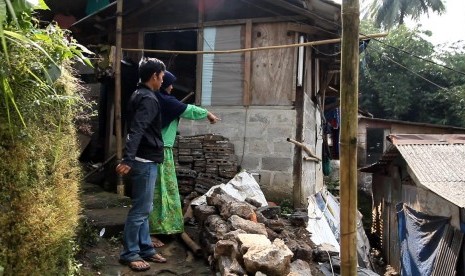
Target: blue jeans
136 236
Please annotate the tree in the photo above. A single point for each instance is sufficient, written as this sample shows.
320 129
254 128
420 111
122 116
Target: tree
397 81
388 13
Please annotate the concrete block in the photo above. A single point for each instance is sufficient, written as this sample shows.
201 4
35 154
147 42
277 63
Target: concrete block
259 118
277 164
282 179
256 130
278 134
232 118
265 178
283 149
286 117
251 163
257 147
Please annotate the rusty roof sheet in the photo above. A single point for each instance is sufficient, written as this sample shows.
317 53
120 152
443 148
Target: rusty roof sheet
437 162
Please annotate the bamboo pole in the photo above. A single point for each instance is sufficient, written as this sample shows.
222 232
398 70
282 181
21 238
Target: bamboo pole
348 138
235 51
118 131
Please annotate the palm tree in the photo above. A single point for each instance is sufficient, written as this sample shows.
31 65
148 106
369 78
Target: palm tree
387 13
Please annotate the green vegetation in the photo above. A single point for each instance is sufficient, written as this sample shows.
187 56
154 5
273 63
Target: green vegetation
39 174
398 82
390 13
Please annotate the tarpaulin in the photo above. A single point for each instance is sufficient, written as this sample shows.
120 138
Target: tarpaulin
419 236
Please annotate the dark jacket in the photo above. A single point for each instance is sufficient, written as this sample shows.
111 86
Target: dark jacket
144 134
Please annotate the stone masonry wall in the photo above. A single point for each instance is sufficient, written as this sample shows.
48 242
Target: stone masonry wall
259 137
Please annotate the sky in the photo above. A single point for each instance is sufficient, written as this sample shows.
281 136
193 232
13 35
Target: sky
447 27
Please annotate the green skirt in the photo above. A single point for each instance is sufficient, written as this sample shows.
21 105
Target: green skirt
166 217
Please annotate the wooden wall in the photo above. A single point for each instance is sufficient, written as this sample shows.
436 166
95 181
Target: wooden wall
273 71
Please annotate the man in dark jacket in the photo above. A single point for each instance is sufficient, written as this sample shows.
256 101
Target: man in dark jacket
143 152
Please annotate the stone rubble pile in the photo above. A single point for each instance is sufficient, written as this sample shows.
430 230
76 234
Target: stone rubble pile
244 239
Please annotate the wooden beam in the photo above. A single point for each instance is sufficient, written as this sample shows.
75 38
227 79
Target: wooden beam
290 7
231 22
118 130
247 97
302 28
145 8
199 67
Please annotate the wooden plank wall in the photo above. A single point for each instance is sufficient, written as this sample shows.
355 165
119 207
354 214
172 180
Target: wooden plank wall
272 70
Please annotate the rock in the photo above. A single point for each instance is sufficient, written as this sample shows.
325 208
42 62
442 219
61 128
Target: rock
272 235
247 241
229 205
228 266
241 209
323 252
247 225
270 212
299 219
276 225
253 202
300 268
226 248
273 260
233 235
301 250
202 212
216 224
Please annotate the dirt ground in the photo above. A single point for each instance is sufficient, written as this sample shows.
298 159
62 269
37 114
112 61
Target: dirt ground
101 258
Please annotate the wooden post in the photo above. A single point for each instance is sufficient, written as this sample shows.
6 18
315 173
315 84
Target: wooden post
118 131
348 136
199 58
247 64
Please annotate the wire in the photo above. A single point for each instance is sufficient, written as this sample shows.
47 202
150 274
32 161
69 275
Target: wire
411 71
415 56
340 26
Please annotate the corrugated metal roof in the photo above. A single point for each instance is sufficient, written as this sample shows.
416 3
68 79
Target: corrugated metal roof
437 162
441 168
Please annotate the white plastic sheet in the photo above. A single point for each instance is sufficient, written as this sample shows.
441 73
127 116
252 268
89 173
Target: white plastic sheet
242 186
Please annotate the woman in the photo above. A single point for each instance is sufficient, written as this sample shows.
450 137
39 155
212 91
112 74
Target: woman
166 217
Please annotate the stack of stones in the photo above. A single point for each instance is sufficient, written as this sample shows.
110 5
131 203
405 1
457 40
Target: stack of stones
203 161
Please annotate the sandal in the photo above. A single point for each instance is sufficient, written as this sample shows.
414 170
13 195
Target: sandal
157 258
157 243
136 265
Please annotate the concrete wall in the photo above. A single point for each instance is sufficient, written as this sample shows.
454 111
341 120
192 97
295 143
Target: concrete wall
259 137
312 172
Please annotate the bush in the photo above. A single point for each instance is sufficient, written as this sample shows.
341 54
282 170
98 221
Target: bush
39 174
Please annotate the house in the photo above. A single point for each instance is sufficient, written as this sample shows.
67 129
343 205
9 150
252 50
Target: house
418 203
263 97
371 140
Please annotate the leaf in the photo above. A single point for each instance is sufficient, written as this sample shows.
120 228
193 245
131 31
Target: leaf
41 6
3 42
24 39
2 11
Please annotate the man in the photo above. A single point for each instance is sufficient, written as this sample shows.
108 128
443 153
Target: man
143 152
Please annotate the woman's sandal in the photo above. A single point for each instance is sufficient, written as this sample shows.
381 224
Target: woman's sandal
137 265
157 258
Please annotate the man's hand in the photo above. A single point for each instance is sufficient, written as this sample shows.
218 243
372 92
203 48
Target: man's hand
212 118
122 169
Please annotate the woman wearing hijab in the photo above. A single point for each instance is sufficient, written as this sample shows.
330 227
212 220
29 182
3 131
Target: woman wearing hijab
166 217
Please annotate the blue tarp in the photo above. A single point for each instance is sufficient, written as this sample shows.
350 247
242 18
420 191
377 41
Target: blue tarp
419 236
